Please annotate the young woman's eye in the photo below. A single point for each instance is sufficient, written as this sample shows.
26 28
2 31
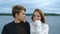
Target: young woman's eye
36 16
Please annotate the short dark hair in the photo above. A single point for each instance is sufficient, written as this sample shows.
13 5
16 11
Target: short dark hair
16 9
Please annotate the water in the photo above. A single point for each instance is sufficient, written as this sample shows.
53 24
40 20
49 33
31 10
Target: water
52 21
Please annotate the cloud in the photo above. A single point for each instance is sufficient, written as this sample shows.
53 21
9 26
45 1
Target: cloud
45 5
5 10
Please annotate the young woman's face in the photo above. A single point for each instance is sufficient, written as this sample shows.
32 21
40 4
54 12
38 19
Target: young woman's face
36 16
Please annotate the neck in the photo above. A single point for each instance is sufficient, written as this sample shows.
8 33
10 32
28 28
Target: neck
17 20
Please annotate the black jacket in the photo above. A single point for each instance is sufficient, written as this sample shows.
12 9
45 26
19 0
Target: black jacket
11 28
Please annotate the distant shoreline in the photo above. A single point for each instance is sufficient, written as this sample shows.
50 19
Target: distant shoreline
46 14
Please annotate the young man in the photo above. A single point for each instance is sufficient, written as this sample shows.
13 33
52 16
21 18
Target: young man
19 25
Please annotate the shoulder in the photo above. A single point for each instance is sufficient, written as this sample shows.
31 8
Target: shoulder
31 24
8 25
46 25
27 23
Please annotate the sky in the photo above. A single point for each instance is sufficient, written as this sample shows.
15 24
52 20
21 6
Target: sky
47 6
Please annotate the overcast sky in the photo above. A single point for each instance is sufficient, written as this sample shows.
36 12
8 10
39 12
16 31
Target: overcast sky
48 6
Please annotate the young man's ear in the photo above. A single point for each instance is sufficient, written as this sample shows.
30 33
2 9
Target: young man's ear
16 14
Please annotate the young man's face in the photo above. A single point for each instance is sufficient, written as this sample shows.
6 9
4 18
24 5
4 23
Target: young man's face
21 15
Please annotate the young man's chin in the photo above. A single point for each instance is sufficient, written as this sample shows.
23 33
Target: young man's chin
23 20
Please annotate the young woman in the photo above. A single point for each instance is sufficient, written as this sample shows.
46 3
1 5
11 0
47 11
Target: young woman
38 26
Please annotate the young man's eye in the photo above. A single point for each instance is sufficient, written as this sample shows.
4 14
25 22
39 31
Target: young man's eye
23 13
